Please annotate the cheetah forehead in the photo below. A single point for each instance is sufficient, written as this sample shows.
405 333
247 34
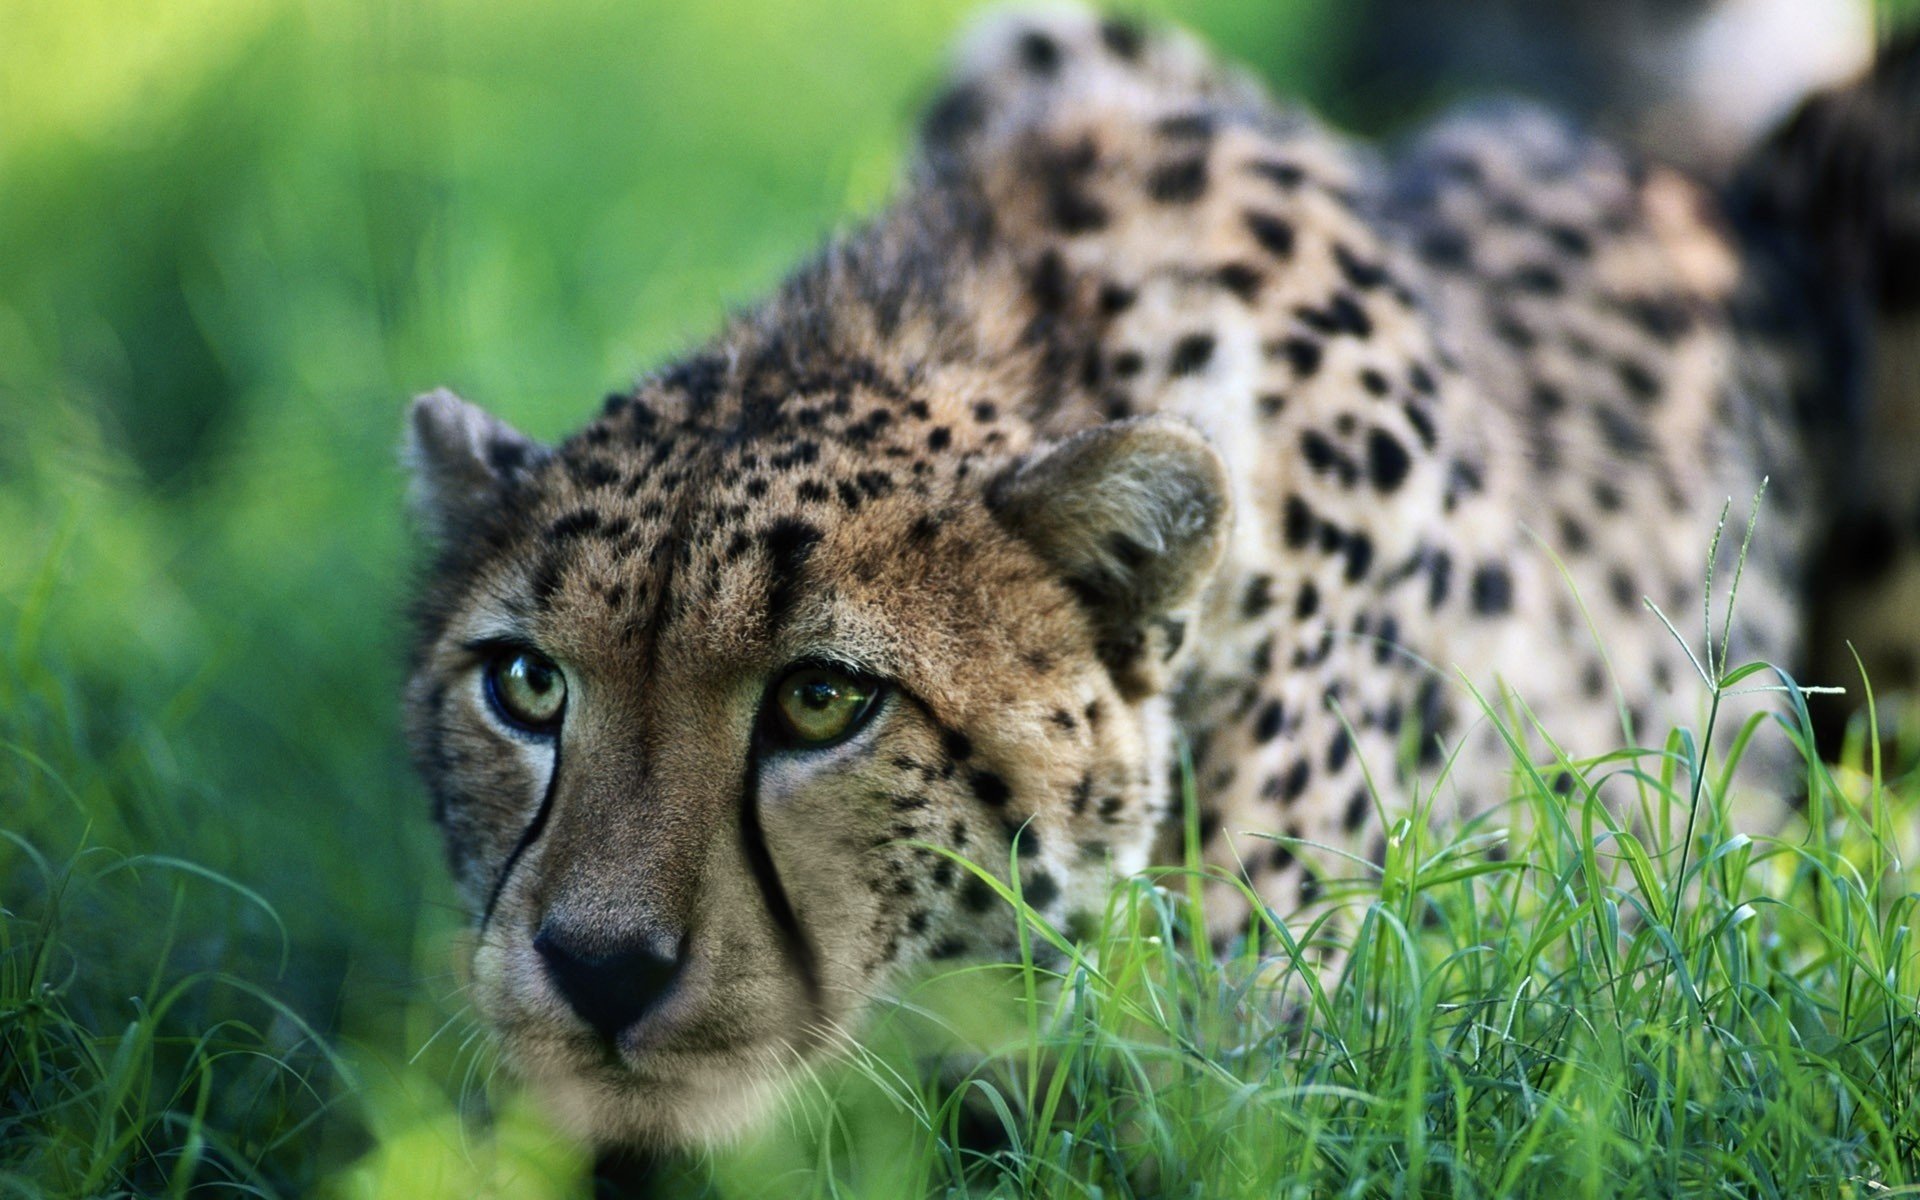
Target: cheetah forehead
753 508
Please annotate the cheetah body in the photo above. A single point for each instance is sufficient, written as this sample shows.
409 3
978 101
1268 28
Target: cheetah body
1469 406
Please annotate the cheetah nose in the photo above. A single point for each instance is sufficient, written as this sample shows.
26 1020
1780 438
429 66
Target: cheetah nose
610 985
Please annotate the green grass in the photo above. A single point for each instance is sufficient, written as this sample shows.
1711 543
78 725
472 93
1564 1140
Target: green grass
238 233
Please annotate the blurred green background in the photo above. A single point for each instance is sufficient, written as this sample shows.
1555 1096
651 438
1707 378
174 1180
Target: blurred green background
235 235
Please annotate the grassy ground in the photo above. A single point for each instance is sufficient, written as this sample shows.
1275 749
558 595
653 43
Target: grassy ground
237 233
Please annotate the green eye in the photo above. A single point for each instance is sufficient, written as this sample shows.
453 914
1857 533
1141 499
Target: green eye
816 706
527 690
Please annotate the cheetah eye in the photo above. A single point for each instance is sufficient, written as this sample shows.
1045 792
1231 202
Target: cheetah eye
527 690
814 707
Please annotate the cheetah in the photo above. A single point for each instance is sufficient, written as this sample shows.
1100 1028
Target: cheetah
1151 415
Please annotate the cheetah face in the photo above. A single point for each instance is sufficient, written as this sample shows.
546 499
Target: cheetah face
710 708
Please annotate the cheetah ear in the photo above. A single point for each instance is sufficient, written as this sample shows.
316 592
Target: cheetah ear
1135 514
461 458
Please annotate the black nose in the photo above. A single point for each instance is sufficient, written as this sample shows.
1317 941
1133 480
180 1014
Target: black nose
610 985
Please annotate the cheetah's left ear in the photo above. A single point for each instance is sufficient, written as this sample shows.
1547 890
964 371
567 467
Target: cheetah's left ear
1135 514
462 458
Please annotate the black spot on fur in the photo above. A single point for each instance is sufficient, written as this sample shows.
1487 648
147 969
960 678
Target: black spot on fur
1439 578
1075 212
1664 319
1180 182
578 523
1359 272
1298 522
1041 890
1123 38
958 745
1431 719
990 789
1258 597
1513 331
954 116
802 453
1307 602
924 528
1039 53
1319 451
700 378
597 473
1568 240
1593 680
977 895
1573 535
1625 592
1359 554
1242 280
1186 125
1022 835
1049 282
1285 174
1387 460
1338 751
1640 382
1303 355
1266 726
506 457
1422 424
1341 315
1539 279
1492 589
1624 432
1274 234
1445 249
1359 808
1190 354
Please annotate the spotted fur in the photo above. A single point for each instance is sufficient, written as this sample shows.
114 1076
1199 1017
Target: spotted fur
1150 414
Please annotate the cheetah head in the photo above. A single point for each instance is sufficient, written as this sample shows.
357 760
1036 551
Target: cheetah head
709 697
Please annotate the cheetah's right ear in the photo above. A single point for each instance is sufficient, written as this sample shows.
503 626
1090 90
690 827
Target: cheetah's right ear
1135 515
461 458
